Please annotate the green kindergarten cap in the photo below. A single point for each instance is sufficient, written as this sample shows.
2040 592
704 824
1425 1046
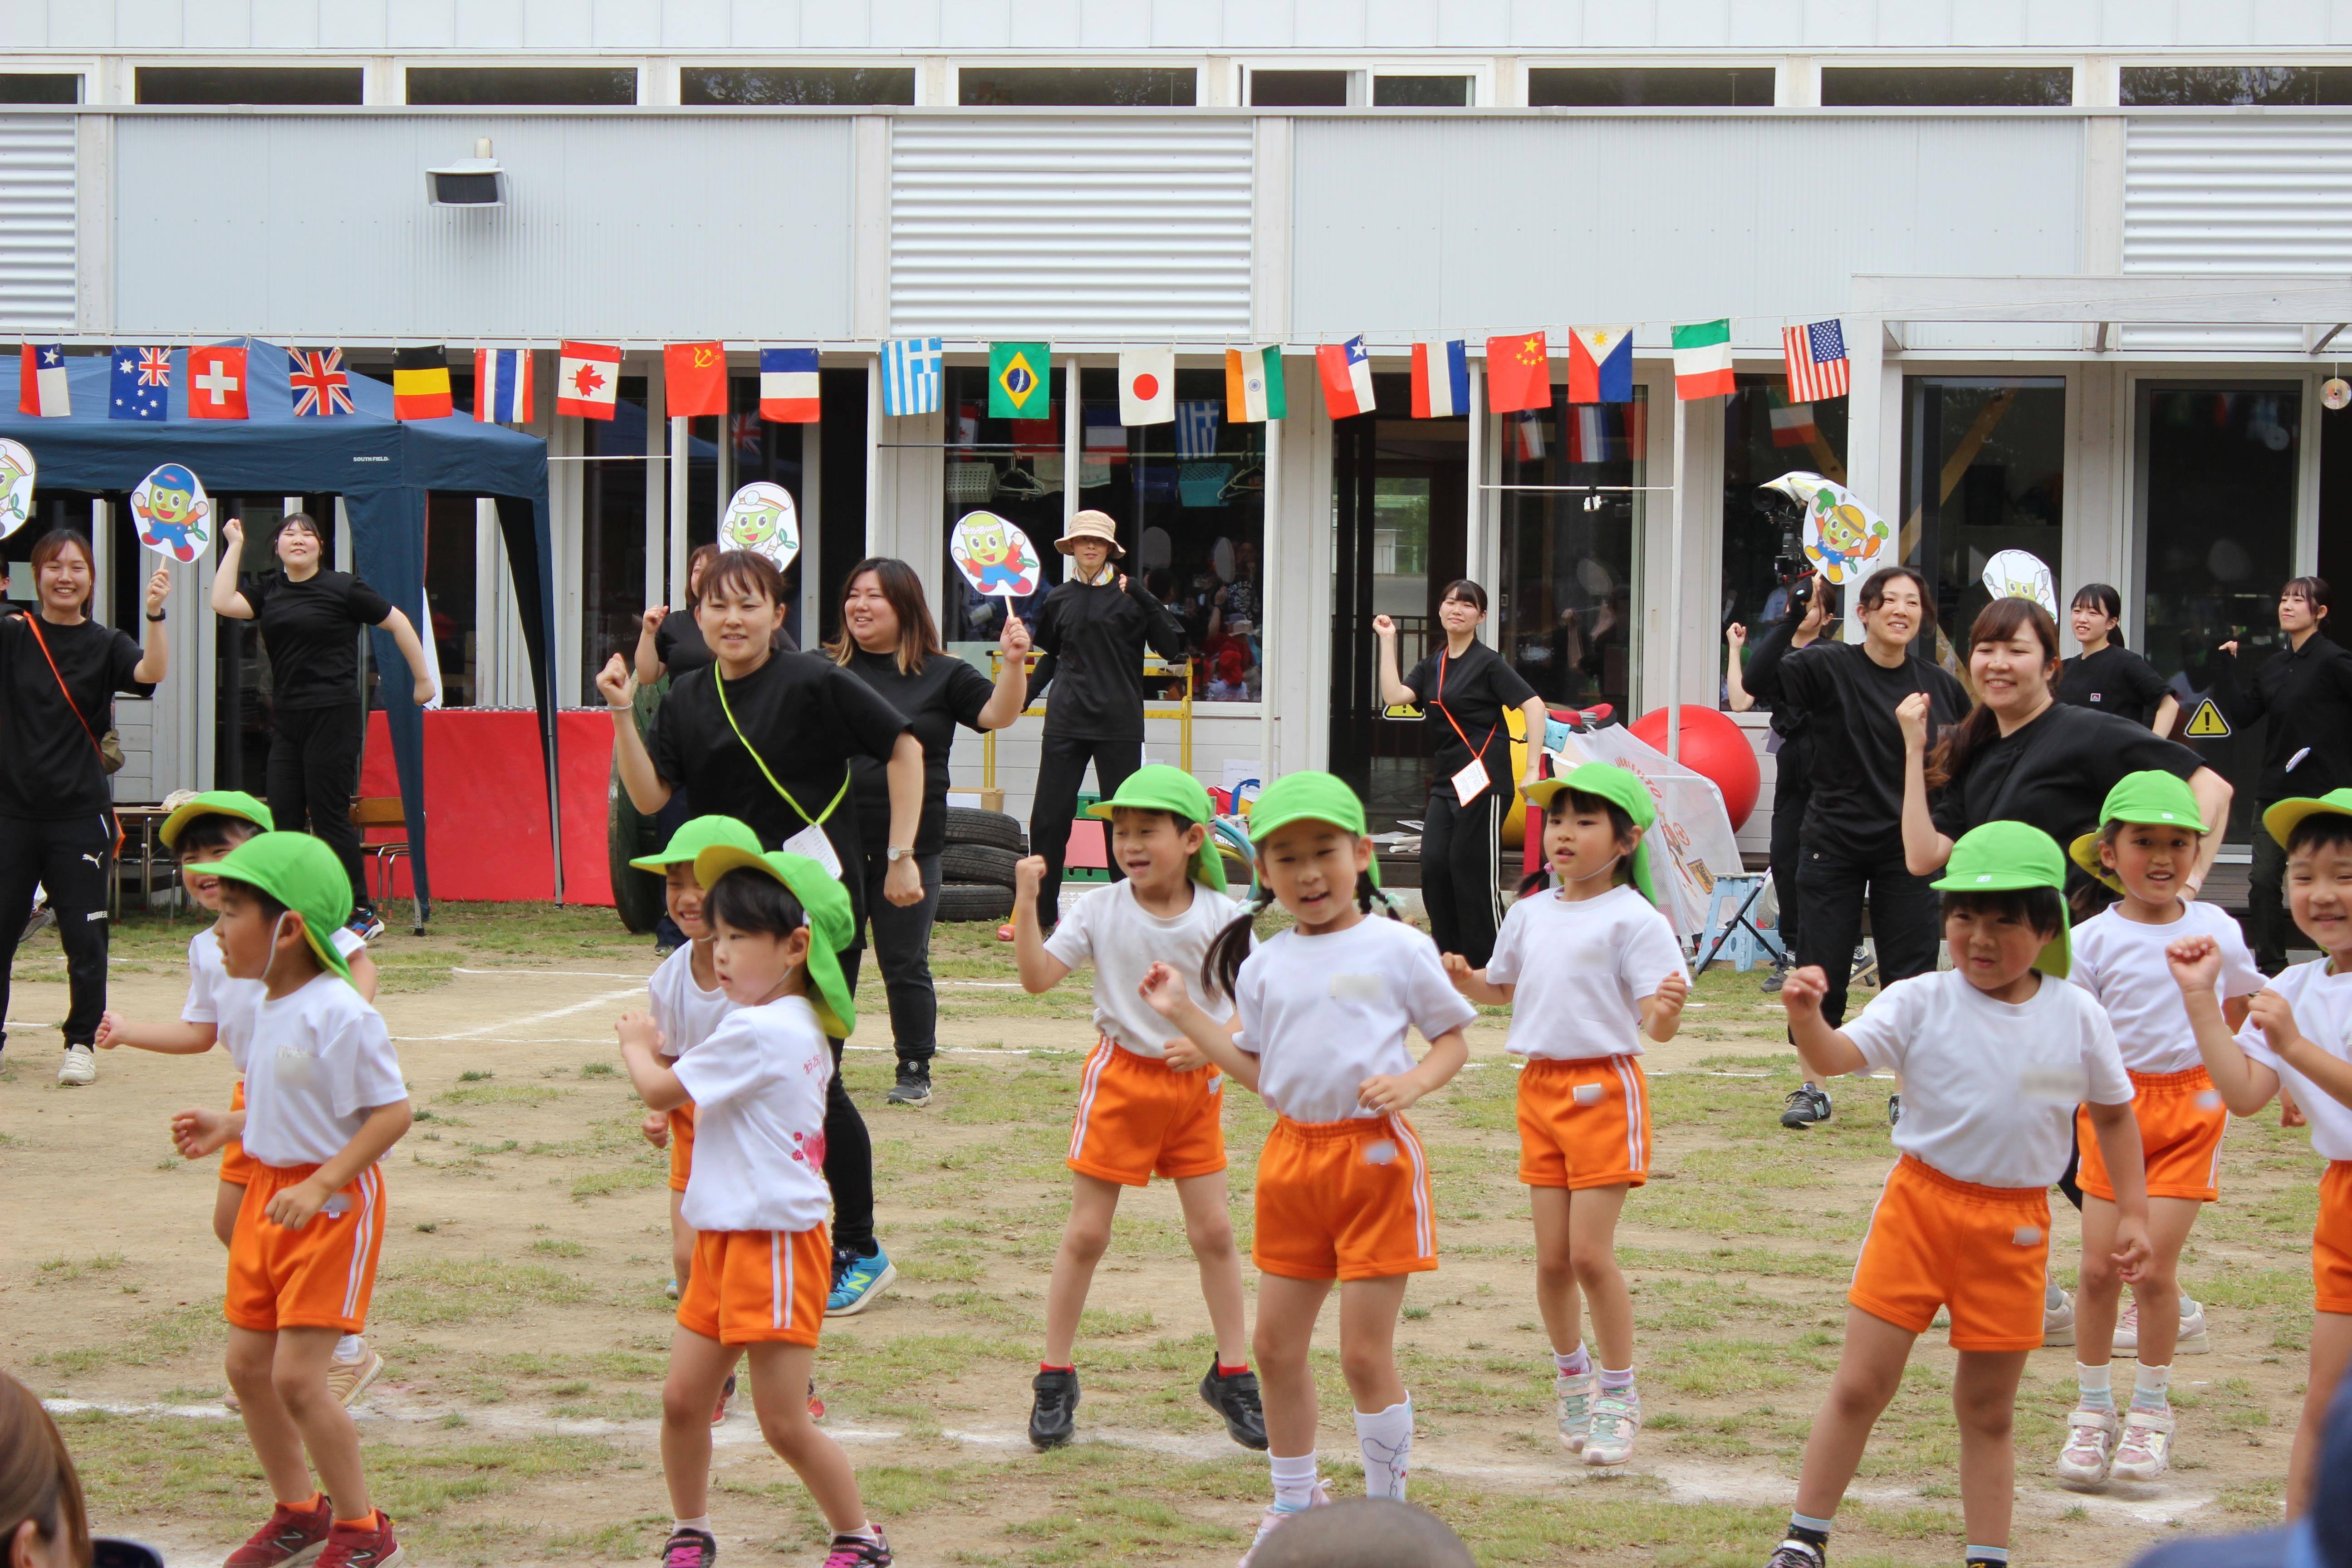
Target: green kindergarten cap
214 802
1621 787
2281 818
302 874
2155 797
2003 856
1308 797
824 901
696 835
1159 787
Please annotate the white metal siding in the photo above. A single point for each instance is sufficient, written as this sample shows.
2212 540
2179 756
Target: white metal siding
1097 228
36 222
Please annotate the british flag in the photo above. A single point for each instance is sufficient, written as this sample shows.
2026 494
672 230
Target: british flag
321 386
155 367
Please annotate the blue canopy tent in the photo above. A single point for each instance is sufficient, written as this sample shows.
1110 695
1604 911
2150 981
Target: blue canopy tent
381 467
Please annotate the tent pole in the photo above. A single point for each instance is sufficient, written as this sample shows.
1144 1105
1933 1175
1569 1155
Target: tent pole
1675 593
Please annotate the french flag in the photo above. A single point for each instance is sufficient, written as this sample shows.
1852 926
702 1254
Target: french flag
41 382
1346 372
502 386
788 385
1440 380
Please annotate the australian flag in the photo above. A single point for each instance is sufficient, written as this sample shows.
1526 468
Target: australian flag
141 385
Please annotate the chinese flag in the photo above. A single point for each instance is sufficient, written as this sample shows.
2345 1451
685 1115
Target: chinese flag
1518 375
695 379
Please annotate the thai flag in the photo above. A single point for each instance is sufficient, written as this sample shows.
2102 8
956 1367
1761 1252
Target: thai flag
502 393
1347 374
1588 433
788 385
1440 380
41 382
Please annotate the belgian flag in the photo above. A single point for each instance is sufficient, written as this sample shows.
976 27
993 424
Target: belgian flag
420 384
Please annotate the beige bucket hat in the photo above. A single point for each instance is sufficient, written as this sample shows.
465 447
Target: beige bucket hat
1091 524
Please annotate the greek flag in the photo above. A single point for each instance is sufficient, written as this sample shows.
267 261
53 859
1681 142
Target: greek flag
1196 429
911 376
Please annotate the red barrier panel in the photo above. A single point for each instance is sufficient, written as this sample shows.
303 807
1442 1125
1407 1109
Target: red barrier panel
486 804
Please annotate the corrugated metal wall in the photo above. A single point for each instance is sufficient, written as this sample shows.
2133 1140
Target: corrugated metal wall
1095 228
36 222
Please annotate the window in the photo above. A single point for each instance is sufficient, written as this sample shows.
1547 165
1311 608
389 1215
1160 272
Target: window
1015 469
1742 87
1569 558
613 533
1298 90
1115 87
1421 91
31 87
2157 85
1984 466
1764 436
250 84
594 85
794 84
1948 87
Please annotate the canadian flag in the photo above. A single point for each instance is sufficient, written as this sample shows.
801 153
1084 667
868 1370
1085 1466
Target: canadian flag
587 380
1147 386
217 383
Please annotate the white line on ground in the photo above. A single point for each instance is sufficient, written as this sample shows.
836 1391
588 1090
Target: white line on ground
505 1026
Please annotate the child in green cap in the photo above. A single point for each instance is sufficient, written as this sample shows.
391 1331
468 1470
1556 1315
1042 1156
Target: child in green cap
324 1104
2146 847
756 1197
1321 1013
1995 1054
1149 1102
1589 970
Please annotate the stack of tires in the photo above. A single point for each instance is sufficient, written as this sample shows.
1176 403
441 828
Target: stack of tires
976 864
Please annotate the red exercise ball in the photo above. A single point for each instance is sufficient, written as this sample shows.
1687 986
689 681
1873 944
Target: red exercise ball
1712 746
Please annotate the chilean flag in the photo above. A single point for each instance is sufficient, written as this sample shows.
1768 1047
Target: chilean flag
41 382
1601 364
788 385
1440 380
1346 372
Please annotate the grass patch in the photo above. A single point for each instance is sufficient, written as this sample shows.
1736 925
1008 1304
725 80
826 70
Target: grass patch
424 1292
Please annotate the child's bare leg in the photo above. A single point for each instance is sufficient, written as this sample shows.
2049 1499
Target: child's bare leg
298 1372
1984 1398
1556 1296
228 1198
1869 1371
277 1441
1093 1201
1209 1226
2157 1289
2331 1352
2098 1299
1593 1252
681 1242
698 1370
1286 1310
780 1378
1368 1325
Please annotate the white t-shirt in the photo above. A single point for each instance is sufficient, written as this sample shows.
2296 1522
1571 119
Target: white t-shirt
1988 1087
757 1082
2121 963
683 1011
2323 1012
1322 1014
227 1003
1111 930
1582 968
315 1062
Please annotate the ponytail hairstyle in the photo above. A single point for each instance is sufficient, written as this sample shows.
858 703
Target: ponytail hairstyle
1620 825
1221 966
1996 622
2103 598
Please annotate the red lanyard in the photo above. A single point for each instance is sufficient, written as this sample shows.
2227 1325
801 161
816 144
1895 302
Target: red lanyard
1438 702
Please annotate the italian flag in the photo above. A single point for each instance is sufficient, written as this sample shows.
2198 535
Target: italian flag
1253 391
1703 359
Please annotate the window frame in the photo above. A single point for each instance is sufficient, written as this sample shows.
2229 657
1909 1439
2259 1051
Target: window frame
397 80
953 83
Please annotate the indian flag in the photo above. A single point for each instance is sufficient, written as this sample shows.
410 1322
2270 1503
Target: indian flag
1703 359
1253 385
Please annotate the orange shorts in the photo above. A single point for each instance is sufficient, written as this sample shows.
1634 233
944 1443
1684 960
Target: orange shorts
1139 1118
2181 1120
1982 1251
236 1165
1584 1123
2331 1241
319 1276
1344 1200
758 1287
681 1146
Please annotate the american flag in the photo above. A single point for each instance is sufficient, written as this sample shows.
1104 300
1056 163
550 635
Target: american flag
321 387
1817 361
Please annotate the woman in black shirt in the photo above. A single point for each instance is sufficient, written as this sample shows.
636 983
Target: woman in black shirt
1466 686
2107 676
672 644
889 641
59 673
310 620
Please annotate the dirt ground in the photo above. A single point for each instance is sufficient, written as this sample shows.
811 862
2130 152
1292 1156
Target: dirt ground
521 1306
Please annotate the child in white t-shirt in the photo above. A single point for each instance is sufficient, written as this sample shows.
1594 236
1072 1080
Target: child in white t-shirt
1321 1016
1149 1102
1589 970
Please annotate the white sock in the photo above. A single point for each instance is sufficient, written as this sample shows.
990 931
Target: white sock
2053 1298
1620 1383
701 1523
862 1533
2097 1385
1386 1439
1575 1363
1294 1480
2152 1389
350 1348
2187 1305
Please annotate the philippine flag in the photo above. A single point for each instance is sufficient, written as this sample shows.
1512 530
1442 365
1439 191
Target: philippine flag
41 382
1147 386
788 386
1601 364
1440 380
502 391
587 380
1346 372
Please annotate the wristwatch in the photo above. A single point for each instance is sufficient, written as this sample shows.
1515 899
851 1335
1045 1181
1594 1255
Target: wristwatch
898 852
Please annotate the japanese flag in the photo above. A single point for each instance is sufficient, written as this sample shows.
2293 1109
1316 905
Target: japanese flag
1147 386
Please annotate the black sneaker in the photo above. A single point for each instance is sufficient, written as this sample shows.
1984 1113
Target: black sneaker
690 1549
914 1085
857 1551
1779 975
1054 1416
1893 1109
1805 1105
1235 1396
1795 1553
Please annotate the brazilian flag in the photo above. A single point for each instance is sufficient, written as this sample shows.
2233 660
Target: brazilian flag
1018 377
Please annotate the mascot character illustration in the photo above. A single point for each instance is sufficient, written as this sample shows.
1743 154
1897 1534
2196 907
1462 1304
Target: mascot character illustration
15 490
995 559
172 515
1846 537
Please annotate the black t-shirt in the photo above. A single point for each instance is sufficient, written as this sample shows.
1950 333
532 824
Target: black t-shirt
677 643
49 768
2112 680
2306 694
808 717
944 693
1475 688
2055 773
1849 701
1092 636
311 629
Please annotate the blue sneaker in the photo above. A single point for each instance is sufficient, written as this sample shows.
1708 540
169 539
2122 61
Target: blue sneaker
858 1281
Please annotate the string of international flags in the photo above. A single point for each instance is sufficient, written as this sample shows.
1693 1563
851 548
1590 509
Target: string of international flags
588 374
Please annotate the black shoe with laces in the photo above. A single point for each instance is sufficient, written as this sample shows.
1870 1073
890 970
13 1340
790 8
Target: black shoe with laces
1233 1395
1806 1104
1779 975
1794 1554
857 1551
914 1085
1054 1415
689 1549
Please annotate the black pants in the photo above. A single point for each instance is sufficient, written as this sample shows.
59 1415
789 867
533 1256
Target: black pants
1904 921
848 1165
2266 898
902 950
1792 790
1061 768
314 770
1461 851
73 859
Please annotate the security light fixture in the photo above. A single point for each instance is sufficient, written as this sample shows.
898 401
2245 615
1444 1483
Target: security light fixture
475 182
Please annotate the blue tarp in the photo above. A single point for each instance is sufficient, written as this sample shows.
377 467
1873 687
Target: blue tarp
382 469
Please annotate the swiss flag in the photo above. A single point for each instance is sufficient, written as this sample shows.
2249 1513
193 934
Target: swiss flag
587 380
695 379
216 383
1519 372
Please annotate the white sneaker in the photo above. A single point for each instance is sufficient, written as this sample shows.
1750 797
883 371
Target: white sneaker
2146 1451
1575 1409
2196 1334
1277 1516
2127 1329
2058 1321
1616 1417
2090 1446
79 1068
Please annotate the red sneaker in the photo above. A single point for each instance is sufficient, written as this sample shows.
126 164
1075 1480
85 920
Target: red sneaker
294 1536
368 1546
725 1394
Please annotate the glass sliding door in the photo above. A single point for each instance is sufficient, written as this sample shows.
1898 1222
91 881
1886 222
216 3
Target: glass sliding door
1984 471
